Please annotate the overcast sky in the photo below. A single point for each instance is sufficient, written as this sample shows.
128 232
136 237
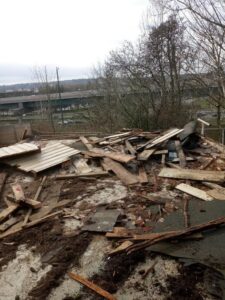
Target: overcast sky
72 34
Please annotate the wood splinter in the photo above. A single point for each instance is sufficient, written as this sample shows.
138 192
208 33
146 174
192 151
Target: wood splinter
91 286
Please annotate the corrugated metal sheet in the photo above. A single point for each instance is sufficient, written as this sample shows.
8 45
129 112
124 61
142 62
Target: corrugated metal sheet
49 156
17 149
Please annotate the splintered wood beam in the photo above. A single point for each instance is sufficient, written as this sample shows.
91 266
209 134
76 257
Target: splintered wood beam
98 290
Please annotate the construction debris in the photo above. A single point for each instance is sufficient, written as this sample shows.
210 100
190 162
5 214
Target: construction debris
49 157
127 186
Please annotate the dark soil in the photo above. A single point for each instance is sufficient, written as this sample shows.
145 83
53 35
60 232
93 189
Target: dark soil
116 271
59 251
69 252
183 287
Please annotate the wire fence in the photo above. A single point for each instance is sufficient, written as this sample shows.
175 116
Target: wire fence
218 134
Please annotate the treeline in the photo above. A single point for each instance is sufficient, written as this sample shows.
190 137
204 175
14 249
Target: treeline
182 45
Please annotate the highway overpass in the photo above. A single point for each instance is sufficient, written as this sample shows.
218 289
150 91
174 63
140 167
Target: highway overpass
33 102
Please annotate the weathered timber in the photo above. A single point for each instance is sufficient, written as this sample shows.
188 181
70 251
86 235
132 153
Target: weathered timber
193 191
118 156
123 174
201 175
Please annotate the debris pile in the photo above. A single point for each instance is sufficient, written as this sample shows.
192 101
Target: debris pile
172 190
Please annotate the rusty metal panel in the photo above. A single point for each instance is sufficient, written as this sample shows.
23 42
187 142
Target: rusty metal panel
49 156
17 149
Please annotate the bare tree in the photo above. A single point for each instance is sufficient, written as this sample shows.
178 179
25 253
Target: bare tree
146 79
206 24
211 11
42 76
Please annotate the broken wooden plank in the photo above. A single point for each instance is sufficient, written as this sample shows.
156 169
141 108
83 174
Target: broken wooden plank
202 175
176 234
180 154
8 211
123 174
160 152
158 140
130 148
41 220
144 155
37 194
40 188
19 197
91 286
118 156
19 226
71 176
143 178
87 144
33 203
18 192
115 136
193 191
9 223
119 232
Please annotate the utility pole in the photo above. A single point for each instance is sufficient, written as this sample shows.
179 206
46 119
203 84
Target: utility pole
59 92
